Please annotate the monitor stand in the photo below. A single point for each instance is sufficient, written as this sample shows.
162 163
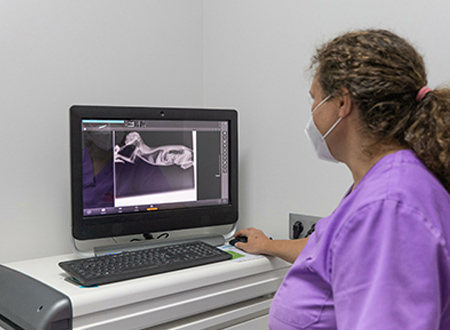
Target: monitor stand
214 239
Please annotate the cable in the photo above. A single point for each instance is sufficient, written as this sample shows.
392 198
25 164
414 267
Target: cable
311 230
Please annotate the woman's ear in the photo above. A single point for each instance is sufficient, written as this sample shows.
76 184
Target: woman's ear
345 103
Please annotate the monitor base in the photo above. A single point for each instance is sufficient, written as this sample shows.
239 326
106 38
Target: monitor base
214 239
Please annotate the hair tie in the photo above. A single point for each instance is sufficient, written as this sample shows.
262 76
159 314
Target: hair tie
422 92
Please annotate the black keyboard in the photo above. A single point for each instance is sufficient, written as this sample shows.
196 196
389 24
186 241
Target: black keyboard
139 263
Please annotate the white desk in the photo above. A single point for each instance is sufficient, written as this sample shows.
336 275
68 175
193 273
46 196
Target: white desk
227 295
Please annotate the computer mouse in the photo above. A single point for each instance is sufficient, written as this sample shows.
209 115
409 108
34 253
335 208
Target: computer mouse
239 239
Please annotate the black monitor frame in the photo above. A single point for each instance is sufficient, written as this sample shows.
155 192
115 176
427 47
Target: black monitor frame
95 227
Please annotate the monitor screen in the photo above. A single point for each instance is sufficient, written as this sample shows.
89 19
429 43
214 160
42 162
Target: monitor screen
139 170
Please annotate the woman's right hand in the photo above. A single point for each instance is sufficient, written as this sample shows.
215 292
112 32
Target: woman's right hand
257 241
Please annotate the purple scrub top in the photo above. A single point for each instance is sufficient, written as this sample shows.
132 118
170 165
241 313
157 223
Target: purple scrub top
381 260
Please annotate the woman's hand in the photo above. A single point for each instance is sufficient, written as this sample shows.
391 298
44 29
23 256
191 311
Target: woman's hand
257 241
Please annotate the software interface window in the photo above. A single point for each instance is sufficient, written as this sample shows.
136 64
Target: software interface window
147 165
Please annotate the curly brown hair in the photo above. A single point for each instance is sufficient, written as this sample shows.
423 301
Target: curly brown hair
383 73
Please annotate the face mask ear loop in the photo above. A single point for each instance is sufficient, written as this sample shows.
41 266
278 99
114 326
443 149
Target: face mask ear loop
322 102
332 127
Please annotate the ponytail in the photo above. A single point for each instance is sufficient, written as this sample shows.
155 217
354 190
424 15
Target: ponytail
429 134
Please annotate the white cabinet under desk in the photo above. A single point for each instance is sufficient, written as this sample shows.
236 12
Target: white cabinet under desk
215 296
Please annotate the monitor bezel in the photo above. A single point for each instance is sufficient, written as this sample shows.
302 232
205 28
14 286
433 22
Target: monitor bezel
96 227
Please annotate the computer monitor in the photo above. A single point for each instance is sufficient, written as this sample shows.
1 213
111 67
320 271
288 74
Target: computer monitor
140 170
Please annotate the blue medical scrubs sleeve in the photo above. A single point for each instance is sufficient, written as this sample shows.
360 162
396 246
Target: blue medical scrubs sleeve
371 261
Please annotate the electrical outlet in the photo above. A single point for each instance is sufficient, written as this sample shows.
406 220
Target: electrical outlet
300 224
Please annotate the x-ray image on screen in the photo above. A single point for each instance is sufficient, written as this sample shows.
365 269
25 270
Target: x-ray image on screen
153 167
167 155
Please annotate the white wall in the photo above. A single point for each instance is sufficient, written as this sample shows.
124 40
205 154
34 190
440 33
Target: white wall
247 54
57 53
256 53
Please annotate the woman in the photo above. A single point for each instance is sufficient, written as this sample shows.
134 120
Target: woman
381 260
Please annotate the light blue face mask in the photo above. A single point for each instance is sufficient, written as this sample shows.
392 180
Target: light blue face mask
316 138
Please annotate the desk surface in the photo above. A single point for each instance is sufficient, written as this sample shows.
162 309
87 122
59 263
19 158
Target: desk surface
161 298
